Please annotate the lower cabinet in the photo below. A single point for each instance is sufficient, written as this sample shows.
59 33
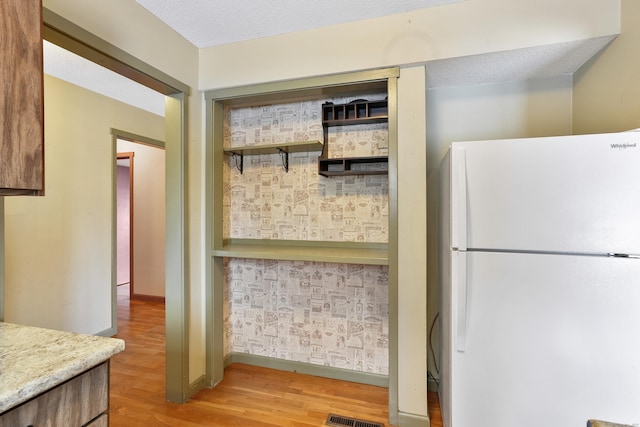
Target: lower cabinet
101 421
81 401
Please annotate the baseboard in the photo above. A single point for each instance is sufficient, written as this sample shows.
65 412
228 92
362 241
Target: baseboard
195 387
432 385
308 369
107 332
150 298
412 420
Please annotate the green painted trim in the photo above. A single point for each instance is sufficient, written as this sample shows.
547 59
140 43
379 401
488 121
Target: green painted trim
432 385
214 274
394 359
114 233
1 258
306 88
289 91
177 257
411 420
308 369
107 332
196 386
73 38
133 137
307 243
210 363
296 250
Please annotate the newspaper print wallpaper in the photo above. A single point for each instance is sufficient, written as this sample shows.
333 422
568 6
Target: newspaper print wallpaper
329 314
326 314
264 202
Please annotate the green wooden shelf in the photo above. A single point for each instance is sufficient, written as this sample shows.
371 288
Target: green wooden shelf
305 250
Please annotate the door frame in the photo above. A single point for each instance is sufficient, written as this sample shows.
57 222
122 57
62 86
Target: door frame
73 38
120 156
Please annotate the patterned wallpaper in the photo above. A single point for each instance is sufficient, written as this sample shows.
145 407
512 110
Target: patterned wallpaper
266 203
325 314
328 314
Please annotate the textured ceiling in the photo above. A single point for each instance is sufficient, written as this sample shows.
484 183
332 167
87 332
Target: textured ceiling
208 23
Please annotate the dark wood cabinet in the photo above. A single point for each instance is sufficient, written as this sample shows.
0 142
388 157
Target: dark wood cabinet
21 98
352 166
354 113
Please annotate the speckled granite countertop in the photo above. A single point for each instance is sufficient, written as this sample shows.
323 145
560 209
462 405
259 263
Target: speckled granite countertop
34 360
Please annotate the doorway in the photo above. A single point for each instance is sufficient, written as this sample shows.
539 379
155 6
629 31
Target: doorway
140 222
124 221
75 39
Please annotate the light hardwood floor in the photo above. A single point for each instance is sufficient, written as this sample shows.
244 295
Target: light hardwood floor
248 395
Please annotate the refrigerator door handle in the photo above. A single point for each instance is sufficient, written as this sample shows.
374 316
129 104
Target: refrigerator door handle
459 198
463 300
617 255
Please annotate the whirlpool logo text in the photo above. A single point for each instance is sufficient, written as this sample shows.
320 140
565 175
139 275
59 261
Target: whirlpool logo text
624 145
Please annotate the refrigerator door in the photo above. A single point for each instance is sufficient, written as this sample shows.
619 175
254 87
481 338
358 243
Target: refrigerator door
575 194
550 341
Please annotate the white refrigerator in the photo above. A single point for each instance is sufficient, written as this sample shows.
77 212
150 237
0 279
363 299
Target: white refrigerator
540 282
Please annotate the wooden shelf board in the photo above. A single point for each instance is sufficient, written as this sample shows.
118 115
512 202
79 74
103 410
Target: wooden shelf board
293 250
356 121
348 163
289 147
362 159
352 172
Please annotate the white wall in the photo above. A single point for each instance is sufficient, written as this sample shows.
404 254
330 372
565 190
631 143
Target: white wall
58 247
148 218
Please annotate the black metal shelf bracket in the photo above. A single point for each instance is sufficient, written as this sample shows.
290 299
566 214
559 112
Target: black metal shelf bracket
284 156
239 163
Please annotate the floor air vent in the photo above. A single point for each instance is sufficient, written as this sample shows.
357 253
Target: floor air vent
342 421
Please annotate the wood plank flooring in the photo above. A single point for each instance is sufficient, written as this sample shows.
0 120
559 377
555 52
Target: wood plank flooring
248 395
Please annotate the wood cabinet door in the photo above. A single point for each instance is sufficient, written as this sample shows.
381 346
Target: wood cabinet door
101 421
21 98
72 404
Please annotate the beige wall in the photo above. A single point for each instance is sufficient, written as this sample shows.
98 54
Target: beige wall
515 109
58 247
148 218
412 244
130 27
451 31
606 94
